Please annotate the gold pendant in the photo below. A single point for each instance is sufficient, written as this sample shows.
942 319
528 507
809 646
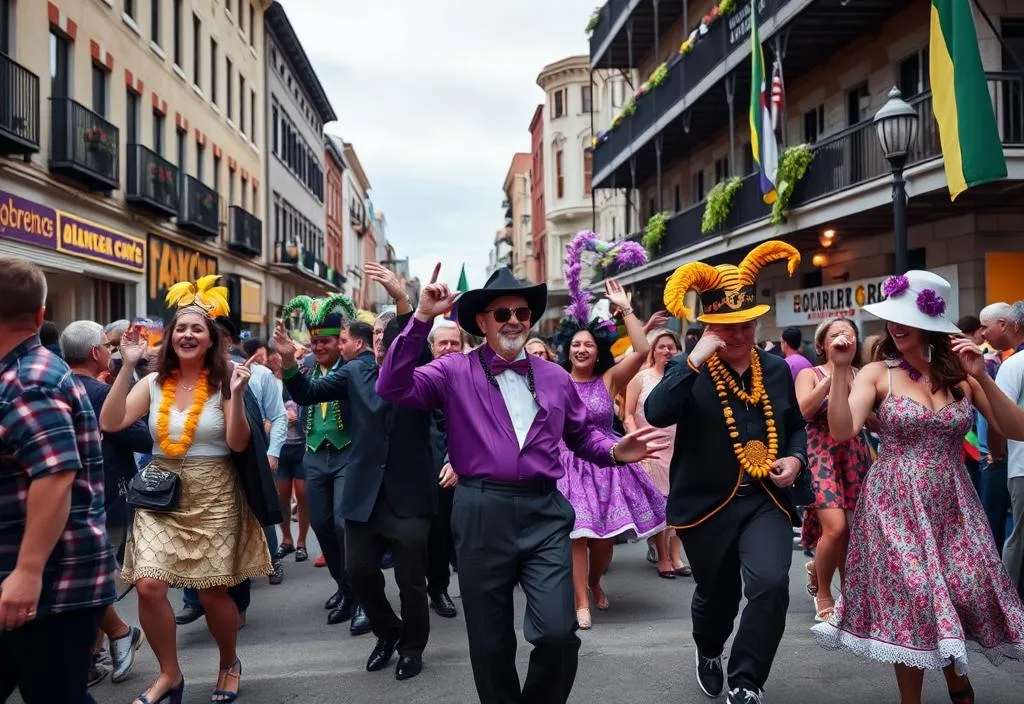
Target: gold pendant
756 452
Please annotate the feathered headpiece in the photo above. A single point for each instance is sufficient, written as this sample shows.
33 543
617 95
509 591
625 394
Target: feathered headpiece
200 296
624 255
727 292
323 316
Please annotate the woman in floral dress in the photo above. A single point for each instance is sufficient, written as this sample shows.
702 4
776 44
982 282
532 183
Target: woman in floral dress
923 577
837 469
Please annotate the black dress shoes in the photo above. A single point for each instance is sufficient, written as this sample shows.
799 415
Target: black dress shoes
342 612
333 602
444 606
408 667
188 614
381 654
360 623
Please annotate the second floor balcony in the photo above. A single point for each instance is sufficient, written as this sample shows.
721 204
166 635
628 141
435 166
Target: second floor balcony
199 210
307 267
152 182
84 146
846 163
19 108
245 232
689 101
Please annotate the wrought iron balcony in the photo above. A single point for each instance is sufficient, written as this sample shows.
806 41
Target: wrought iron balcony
305 264
152 182
245 232
19 108
84 146
199 209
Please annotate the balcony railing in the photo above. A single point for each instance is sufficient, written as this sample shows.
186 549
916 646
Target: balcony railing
152 182
847 159
19 108
307 262
84 147
246 232
199 209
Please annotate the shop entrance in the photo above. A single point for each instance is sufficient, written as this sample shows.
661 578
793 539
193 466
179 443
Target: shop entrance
73 297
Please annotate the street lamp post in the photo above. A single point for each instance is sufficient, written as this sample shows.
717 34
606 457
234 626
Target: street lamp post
896 125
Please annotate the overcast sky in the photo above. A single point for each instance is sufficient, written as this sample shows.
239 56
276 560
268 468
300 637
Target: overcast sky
436 97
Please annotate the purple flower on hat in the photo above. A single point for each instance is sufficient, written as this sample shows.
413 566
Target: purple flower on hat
895 285
930 303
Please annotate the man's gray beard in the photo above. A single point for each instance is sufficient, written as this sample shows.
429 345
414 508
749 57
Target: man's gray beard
513 345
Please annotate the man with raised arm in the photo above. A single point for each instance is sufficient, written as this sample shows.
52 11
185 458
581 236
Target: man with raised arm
509 522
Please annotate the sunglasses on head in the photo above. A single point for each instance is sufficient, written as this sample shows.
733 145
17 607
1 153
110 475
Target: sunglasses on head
503 315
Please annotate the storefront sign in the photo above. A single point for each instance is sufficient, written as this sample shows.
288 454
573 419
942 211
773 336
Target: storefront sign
31 223
88 240
169 263
811 306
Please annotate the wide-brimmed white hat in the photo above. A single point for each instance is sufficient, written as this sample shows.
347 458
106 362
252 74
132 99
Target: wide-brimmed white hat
916 299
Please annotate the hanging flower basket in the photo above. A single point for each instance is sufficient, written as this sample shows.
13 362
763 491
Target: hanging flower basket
719 204
98 139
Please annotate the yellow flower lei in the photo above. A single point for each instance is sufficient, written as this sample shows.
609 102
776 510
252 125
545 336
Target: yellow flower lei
177 448
754 456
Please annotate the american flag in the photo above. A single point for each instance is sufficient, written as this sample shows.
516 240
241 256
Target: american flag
777 94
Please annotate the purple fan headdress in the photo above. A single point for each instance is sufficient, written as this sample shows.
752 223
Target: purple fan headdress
626 255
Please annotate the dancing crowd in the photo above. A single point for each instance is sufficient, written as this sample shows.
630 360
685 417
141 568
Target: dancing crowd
441 436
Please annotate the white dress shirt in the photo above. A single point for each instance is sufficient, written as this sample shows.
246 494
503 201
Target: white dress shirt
522 408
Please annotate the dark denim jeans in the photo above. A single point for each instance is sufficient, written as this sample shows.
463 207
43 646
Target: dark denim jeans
995 499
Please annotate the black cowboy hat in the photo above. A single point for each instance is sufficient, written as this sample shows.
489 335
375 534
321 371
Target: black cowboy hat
501 283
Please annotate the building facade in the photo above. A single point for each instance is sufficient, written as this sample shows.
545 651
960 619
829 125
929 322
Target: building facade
356 223
576 104
296 110
517 208
839 64
538 217
132 151
335 209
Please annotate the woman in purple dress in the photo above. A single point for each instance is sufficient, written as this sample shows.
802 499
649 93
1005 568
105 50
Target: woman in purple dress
923 579
609 501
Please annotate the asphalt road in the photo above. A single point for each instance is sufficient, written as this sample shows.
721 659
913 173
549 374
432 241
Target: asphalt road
638 652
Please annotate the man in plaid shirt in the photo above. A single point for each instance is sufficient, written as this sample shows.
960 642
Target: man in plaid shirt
56 564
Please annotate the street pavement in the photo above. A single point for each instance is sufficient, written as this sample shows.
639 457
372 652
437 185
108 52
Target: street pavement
638 652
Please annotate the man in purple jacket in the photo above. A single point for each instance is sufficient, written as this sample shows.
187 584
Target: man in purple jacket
507 412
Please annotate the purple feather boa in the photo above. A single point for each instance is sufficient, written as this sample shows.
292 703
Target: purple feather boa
626 255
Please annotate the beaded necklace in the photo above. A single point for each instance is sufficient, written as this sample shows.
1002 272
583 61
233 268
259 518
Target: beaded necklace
754 456
912 372
494 382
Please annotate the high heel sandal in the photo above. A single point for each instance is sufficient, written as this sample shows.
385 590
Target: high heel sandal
583 618
222 696
822 615
171 696
812 579
666 574
964 696
602 604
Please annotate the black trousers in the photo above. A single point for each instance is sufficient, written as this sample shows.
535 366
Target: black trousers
507 534
365 545
441 546
47 660
746 547
325 481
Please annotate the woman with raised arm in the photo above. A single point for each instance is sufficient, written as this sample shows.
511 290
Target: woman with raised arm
665 344
208 538
608 501
837 468
923 578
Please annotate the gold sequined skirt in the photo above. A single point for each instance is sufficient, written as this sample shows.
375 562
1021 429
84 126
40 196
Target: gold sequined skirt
212 539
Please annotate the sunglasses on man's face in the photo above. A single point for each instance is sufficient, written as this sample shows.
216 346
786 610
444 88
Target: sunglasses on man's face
503 315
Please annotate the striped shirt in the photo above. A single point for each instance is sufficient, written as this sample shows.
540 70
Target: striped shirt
48 426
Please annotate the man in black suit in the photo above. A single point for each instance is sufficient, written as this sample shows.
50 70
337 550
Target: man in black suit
390 492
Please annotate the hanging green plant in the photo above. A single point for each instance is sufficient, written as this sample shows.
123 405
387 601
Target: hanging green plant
659 76
793 165
654 232
628 109
719 204
595 19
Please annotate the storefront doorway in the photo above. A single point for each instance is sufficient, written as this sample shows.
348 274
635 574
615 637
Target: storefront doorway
73 297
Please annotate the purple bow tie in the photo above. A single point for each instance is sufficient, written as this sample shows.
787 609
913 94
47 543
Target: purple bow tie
519 366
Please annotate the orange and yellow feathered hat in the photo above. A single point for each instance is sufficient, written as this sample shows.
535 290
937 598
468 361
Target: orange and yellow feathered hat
201 296
727 292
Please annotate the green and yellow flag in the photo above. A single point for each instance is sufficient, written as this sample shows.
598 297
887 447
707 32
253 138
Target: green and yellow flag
971 147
